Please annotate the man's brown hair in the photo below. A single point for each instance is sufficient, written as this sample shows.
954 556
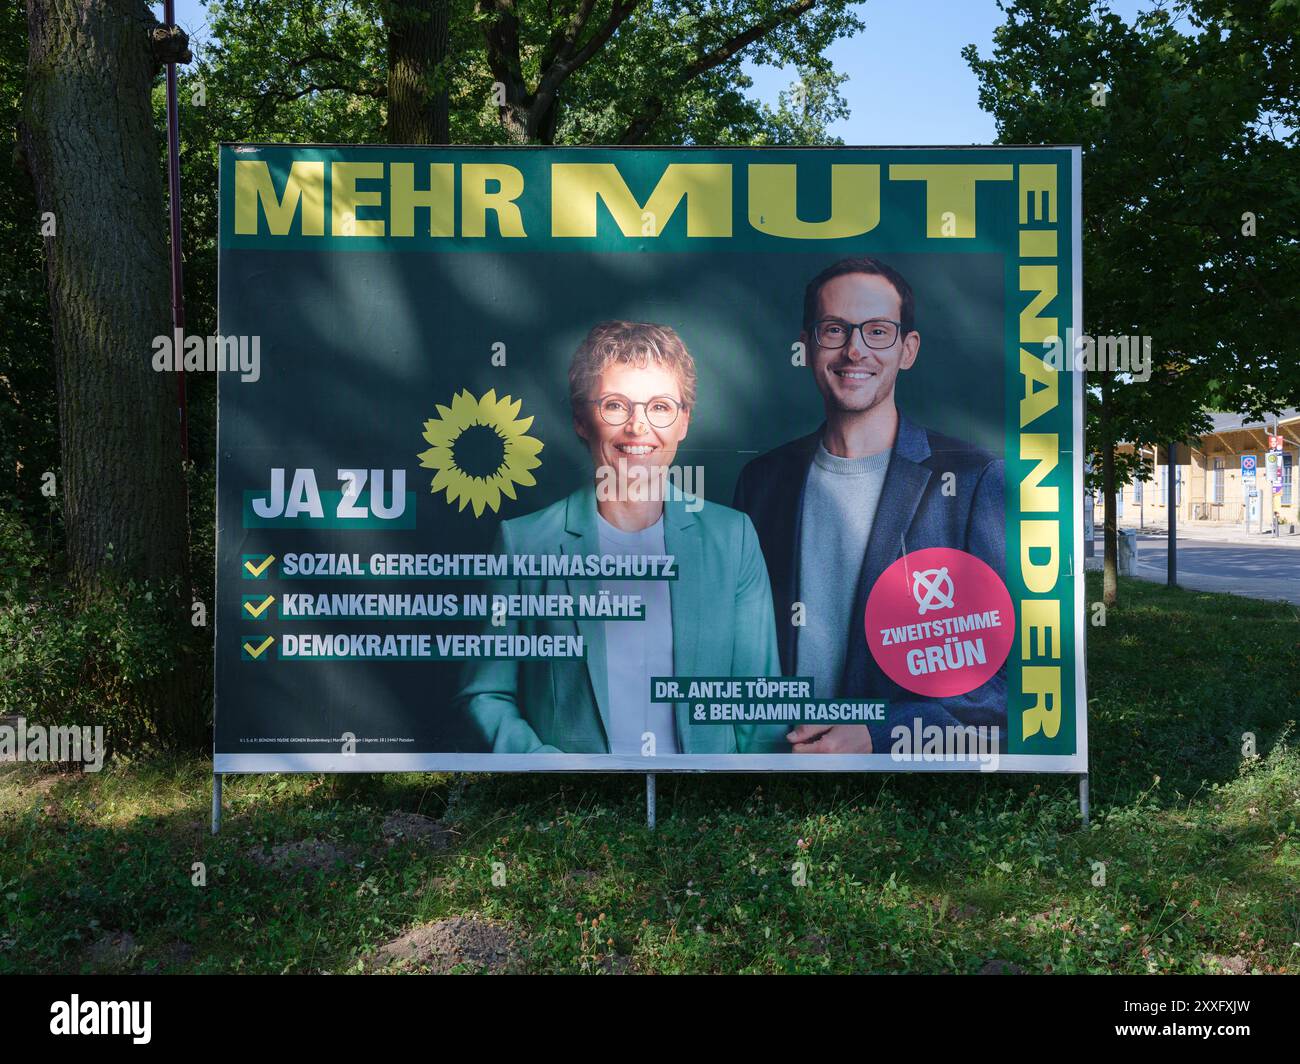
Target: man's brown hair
862 264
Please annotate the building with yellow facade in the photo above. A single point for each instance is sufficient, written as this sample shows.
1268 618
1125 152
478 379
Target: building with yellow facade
1211 486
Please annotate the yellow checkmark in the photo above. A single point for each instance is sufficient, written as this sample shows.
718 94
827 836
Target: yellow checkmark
257 611
257 653
258 570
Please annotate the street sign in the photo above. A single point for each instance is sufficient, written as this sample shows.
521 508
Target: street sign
1248 466
1089 530
1273 471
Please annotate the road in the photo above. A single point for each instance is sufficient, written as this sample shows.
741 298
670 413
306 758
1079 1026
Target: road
1256 571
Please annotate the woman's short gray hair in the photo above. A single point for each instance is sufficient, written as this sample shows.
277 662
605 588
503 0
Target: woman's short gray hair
630 343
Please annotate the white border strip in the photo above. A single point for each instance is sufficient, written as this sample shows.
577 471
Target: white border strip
338 762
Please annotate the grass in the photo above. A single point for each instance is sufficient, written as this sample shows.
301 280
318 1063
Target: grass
929 874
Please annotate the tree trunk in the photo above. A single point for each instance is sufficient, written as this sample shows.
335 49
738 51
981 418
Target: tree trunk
1110 535
93 154
419 108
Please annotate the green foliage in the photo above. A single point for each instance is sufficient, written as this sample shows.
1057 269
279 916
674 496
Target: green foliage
70 661
202 487
19 557
28 426
670 68
1197 129
672 72
804 110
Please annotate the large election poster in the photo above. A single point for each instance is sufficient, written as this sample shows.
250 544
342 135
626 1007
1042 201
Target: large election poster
649 459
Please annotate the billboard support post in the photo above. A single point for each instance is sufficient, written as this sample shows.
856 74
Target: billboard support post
650 801
1083 798
216 802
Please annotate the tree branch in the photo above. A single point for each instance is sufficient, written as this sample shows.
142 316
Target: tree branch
650 111
567 61
502 35
617 17
378 92
561 41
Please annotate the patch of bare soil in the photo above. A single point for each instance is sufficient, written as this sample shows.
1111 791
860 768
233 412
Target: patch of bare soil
458 943
417 830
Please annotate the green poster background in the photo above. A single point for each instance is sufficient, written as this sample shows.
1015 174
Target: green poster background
362 337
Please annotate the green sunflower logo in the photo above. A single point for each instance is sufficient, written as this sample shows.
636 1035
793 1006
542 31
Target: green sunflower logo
480 450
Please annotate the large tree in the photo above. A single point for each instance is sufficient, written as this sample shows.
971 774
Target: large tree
1190 201
419 104
90 146
89 143
539 71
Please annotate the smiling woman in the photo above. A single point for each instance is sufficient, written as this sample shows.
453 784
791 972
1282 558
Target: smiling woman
631 389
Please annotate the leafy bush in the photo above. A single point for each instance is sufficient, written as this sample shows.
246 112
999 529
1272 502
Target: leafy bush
19 557
69 660
202 486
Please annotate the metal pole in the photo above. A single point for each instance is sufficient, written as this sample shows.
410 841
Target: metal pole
1262 488
650 801
1273 499
1172 505
1245 502
174 204
1083 798
1142 506
216 802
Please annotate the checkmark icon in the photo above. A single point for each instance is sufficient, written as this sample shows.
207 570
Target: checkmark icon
256 652
254 608
254 569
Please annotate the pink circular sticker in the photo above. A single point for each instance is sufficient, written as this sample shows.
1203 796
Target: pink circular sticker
939 622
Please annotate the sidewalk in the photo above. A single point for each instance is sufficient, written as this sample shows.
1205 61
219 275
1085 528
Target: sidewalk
1214 532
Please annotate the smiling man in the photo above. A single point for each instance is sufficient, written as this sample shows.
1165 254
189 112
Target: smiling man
834 509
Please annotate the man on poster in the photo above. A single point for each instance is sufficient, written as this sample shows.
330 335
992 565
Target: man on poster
835 509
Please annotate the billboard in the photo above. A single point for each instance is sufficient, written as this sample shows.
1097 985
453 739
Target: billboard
648 459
